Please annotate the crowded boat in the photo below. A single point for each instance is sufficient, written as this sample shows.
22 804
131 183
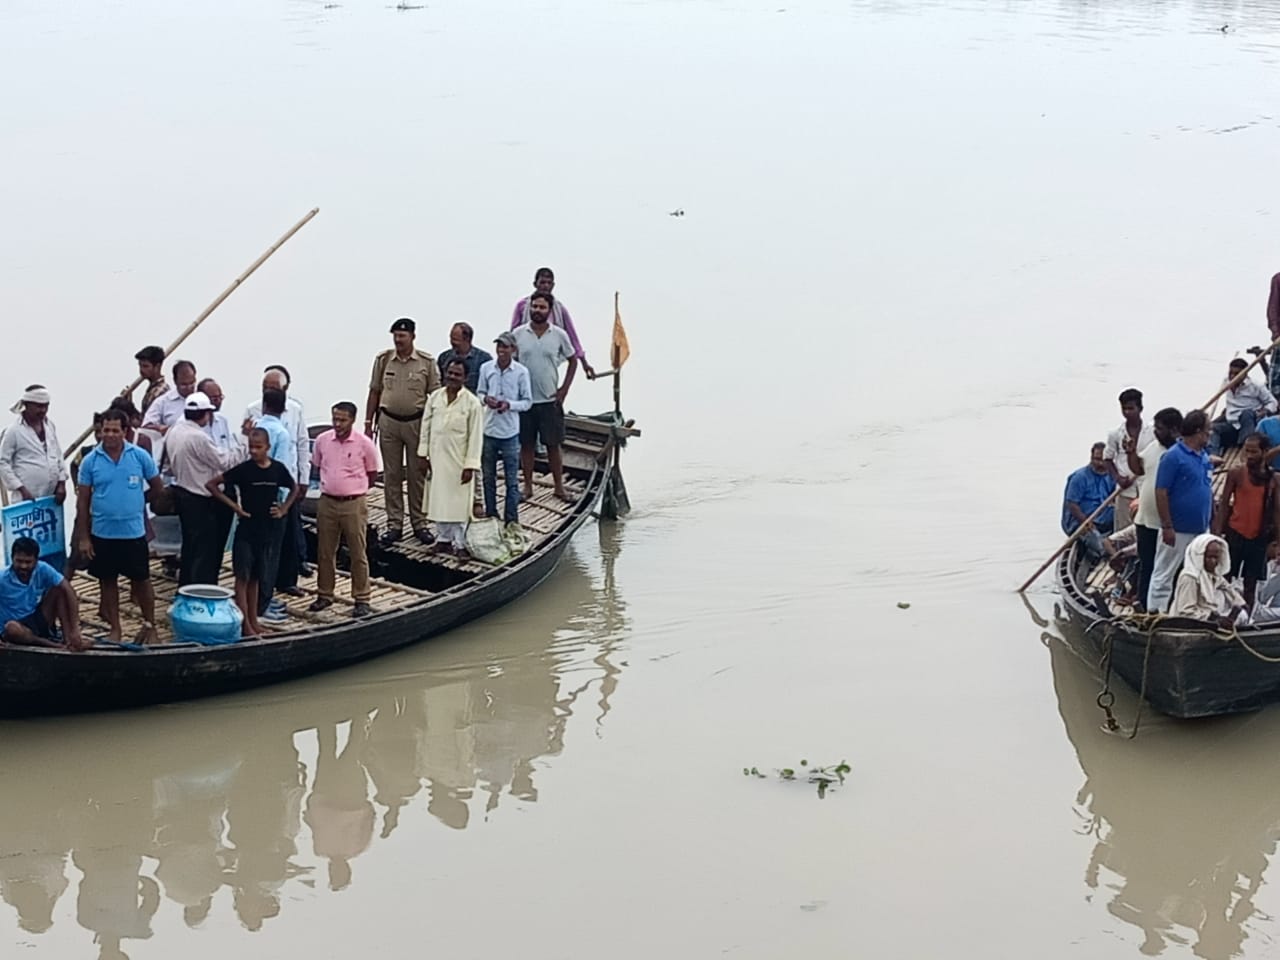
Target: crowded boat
443 456
1178 514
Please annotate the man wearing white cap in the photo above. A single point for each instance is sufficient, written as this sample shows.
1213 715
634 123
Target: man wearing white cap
195 460
31 464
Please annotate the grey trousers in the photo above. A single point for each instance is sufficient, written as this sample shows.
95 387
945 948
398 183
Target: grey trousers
1165 571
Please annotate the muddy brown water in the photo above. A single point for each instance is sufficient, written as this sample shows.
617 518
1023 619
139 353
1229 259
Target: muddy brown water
923 247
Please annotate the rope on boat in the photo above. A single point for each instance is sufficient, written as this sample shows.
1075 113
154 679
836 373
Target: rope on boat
1149 623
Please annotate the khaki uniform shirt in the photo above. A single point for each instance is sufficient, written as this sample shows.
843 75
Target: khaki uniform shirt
404 384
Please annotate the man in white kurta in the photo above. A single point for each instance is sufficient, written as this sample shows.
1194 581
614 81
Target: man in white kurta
451 442
31 464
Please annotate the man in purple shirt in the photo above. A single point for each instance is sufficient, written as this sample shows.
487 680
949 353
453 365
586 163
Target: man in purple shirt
544 281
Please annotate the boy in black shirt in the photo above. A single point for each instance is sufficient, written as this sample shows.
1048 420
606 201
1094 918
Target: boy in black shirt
266 494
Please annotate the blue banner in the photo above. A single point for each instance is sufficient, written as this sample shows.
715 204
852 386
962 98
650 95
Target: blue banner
41 520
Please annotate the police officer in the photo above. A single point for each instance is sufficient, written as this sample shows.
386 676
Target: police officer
402 378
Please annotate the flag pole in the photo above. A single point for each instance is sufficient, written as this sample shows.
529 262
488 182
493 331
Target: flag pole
204 315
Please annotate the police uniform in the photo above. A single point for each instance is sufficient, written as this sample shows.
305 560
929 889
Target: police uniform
403 385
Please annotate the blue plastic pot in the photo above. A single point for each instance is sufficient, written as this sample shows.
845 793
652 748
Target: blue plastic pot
202 613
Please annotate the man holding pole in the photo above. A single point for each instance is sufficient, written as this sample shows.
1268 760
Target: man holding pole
402 380
151 371
1245 404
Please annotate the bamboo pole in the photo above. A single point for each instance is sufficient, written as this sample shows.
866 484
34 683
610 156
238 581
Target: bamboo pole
204 315
1085 526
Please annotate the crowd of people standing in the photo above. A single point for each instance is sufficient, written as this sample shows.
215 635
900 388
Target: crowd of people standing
431 424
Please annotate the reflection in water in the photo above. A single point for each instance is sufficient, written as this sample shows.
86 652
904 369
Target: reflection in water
1184 819
217 794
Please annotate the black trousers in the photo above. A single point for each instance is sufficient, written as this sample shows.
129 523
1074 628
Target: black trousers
1147 540
201 549
224 517
288 563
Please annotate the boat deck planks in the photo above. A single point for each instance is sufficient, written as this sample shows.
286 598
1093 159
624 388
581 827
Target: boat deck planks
386 596
541 517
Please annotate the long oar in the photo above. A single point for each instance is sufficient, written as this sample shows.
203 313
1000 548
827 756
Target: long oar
1084 527
204 315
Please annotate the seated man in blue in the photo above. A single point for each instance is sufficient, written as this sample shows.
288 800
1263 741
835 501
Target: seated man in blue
33 597
1087 488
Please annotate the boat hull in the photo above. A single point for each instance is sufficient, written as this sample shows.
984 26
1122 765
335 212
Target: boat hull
35 681
1183 668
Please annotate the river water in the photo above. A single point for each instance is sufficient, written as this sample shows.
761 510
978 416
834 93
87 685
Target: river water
923 247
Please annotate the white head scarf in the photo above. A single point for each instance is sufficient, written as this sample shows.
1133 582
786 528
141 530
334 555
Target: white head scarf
1211 584
35 395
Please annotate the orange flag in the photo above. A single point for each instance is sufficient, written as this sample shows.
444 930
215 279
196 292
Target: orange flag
621 349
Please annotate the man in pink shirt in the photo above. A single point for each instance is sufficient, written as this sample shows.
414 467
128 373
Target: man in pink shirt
348 465
544 281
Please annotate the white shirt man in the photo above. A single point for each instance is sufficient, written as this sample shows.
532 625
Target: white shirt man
1247 396
26 461
1115 452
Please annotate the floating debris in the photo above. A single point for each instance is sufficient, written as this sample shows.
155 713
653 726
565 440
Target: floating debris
903 605
824 778
676 213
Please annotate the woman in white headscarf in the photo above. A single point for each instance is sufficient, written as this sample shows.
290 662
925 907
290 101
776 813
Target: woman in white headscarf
1203 593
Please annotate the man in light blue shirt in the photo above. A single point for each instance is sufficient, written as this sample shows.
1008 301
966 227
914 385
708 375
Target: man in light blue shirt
282 447
33 597
110 521
503 388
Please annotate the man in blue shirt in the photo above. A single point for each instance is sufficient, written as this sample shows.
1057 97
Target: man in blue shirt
33 597
283 450
110 521
1087 489
503 387
1184 498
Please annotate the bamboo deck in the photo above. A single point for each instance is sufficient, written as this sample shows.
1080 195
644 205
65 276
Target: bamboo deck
1104 578
541 517
386 596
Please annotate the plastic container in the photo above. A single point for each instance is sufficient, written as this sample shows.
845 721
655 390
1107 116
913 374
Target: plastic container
206 614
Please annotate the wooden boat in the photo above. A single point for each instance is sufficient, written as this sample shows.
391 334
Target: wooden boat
1182 667
416 595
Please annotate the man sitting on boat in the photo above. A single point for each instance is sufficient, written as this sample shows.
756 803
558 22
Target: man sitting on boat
34 597
1087 489
1246 403
1203 593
